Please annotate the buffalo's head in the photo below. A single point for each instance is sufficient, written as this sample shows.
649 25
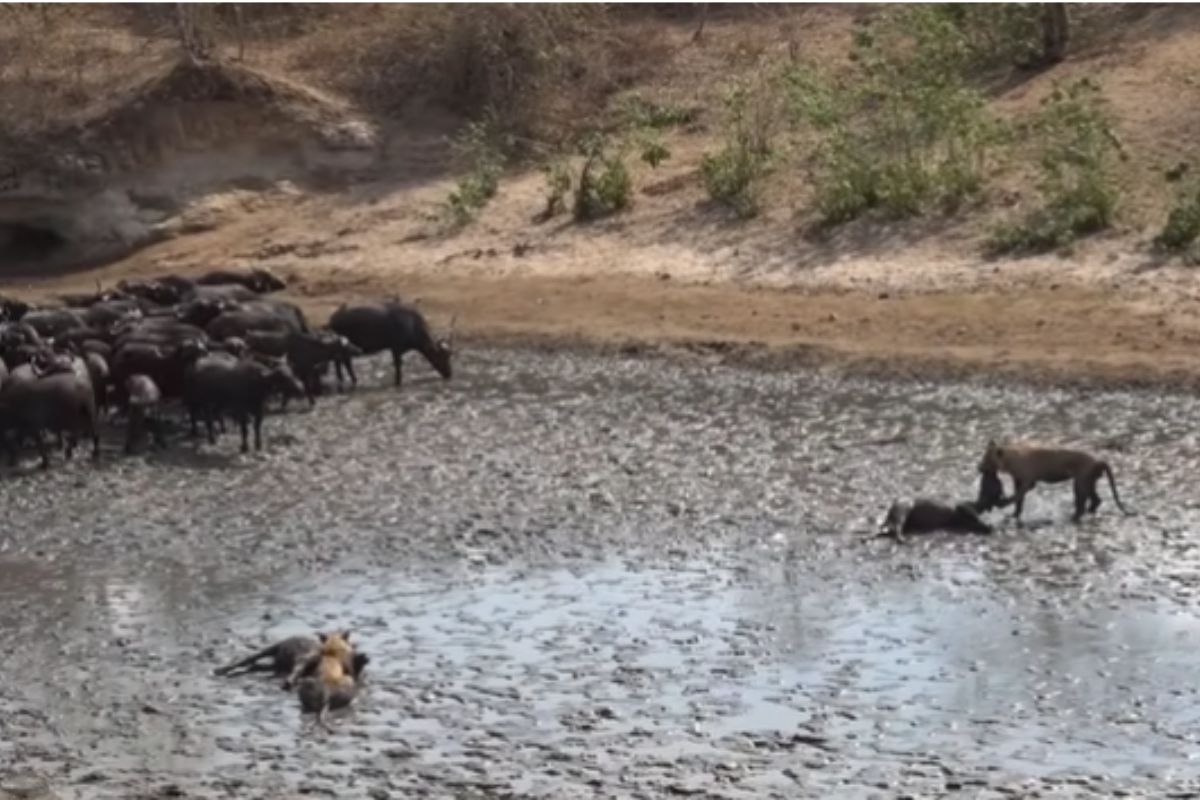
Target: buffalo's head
893 522
203 310
344 347
12 310
283 381
442 350
264 281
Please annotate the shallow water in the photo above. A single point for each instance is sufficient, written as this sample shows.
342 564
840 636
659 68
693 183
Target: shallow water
584 576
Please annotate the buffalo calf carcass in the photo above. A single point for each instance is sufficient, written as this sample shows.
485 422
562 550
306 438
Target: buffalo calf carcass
391 326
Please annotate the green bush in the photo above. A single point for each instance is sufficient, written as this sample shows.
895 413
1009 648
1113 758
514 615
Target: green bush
733 176
604 186
654 152
1076 147
1183 224
641 113
904 132
558 186
481 150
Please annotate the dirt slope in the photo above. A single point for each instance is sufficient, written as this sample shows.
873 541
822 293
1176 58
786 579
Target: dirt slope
675 271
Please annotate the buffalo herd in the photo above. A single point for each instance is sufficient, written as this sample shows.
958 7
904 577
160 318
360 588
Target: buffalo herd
217 347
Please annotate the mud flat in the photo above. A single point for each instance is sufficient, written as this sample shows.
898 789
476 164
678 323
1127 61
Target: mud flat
584 576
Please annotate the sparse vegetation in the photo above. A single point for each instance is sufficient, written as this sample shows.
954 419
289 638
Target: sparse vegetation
604 186
546 68
652 150
733 176
1076 149
558 186
904 132
480 148
1182 228
901 128
641 113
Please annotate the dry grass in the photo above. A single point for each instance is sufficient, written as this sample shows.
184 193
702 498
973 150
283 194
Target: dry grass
556 69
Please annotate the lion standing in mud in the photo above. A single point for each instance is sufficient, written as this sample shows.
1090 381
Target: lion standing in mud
1030 464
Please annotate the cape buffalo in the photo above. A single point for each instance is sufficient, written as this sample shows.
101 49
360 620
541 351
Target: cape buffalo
144 400
50 322
60 402
308 354
12 310
220 384
391 326
260 281
263 315
165 362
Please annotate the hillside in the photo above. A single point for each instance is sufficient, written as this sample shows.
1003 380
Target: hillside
324 152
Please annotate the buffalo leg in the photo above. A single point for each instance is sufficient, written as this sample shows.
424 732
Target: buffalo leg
397 357
133 429
311 381
42 449
244 422
209 424
155 424
258 419
1020 489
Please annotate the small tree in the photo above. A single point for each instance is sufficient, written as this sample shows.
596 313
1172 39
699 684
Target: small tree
1054 32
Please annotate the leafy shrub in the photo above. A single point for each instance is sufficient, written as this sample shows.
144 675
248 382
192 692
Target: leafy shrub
641 113
1182 228
604 186
904 132
1076 145
651 149
558 186
733 176
994 34
479 148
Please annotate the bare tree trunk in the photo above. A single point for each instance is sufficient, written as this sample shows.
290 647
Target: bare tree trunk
699 34
241 31
1054 32
191 33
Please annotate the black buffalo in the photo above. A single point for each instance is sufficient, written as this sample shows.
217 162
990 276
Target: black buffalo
390 326
260 281
220 384
262 315
60 401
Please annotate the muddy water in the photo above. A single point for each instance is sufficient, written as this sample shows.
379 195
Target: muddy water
607 577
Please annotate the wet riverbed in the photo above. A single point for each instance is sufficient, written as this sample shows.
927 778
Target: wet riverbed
613 577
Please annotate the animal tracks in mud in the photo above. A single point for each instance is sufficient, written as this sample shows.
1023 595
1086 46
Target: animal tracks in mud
581 576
